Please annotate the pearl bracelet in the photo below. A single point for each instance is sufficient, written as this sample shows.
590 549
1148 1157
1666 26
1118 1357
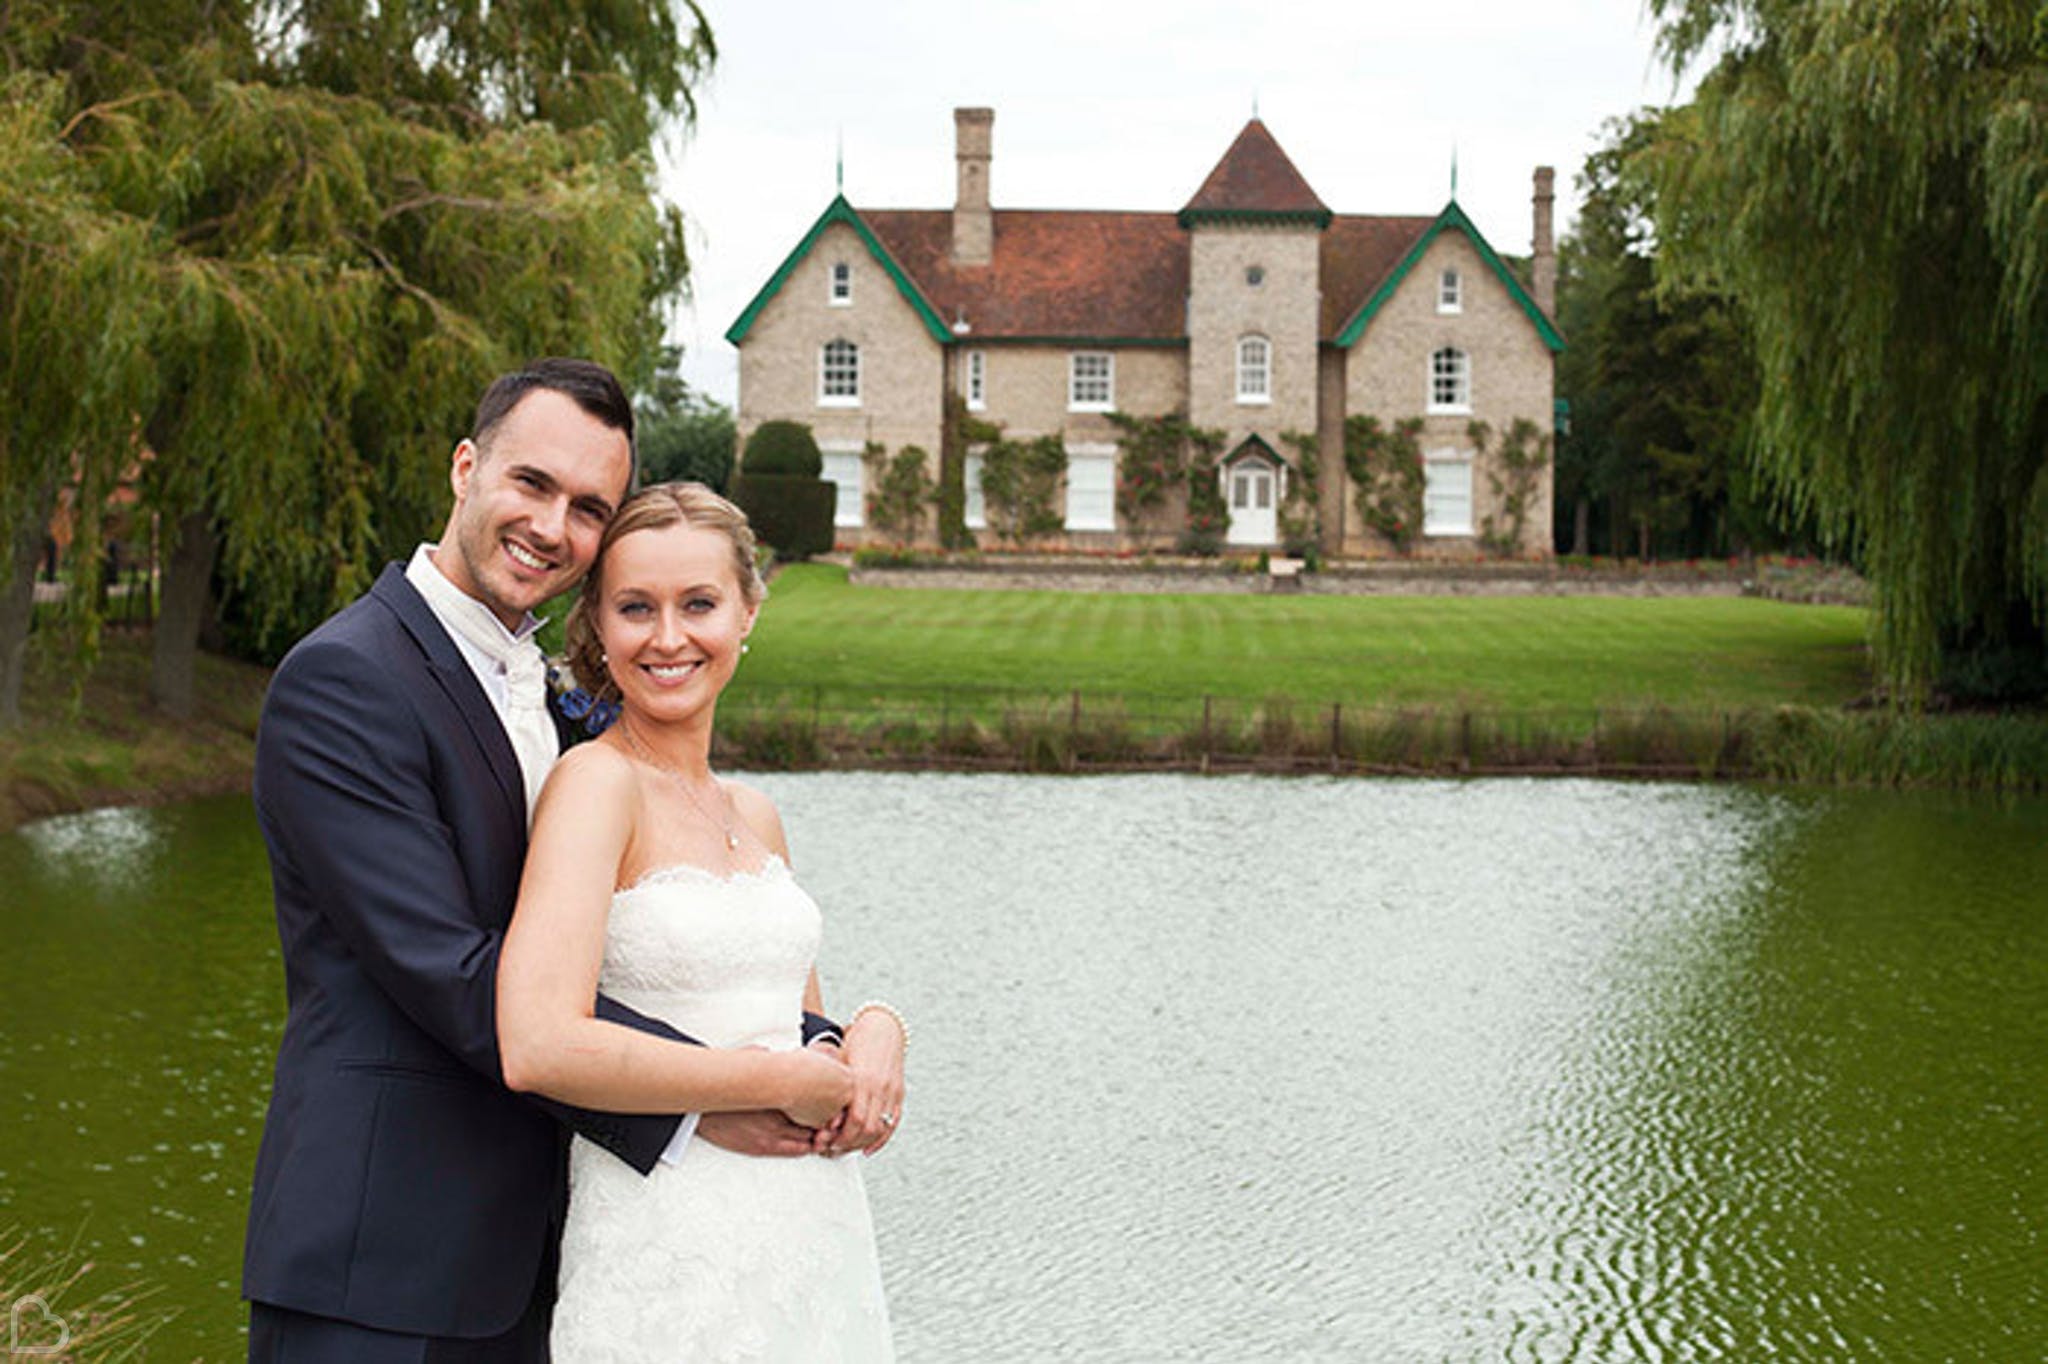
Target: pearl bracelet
879 1007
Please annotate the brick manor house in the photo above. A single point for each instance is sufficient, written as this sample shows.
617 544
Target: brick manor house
1254 311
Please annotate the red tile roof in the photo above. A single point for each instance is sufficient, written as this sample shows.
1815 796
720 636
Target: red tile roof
1052 274
1358 253
1123 276
1255 178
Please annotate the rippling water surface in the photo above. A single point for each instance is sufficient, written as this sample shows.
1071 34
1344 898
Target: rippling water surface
1227 1069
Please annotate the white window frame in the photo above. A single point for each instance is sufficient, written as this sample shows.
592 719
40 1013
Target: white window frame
1457 374
974 507
841 455
1450 291
1439 465
1254 378
826 397
977 380
1076 361
1103 518
840 286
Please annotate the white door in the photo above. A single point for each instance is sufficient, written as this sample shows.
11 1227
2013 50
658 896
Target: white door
1253 515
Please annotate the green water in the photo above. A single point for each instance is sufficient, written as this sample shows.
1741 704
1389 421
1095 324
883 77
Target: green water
1237 1068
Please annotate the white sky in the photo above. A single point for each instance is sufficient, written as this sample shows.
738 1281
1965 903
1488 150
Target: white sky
1127 104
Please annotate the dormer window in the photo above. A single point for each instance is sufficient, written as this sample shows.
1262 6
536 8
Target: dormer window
1450 292
842 285
1254 370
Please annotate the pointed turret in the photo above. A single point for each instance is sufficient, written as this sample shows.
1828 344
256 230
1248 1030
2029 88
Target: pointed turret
1255 182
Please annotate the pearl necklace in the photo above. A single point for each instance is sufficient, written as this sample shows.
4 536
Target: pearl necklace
647 755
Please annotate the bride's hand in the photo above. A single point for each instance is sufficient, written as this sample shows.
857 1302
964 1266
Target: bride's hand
819 1086
874 1056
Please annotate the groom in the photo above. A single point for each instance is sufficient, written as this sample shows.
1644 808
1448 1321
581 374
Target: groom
406 1206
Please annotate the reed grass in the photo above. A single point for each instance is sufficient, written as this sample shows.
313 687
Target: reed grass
56 1311
1076 732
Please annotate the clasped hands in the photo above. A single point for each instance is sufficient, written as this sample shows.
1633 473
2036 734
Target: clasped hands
855 1104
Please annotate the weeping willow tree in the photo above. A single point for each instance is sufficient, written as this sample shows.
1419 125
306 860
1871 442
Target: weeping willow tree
1868 180
76 304
355 214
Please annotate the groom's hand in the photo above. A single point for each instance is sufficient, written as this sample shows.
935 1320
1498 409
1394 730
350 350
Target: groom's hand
765 1133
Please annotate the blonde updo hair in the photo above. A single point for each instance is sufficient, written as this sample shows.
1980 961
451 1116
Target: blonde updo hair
655 508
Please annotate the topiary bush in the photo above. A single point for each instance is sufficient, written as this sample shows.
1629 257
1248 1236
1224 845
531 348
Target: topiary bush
783 449
791 515
779 489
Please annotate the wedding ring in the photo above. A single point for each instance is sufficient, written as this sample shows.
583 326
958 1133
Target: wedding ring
888 1120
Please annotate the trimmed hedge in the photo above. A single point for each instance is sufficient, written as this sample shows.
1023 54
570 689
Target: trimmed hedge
783 448
792 514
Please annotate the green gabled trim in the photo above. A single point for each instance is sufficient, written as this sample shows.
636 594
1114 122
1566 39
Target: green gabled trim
1451 217
842 212
1316 218
1256 444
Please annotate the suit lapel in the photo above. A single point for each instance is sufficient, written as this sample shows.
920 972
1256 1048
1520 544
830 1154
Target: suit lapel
452 672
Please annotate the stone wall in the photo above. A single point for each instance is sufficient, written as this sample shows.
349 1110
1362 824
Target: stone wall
1387 374
901 366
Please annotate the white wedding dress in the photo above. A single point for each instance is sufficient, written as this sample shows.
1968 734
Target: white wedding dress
719 1257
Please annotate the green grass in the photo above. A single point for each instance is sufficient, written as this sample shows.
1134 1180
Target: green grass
1481 653
114 747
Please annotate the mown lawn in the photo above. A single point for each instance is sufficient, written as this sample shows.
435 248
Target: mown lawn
1482 653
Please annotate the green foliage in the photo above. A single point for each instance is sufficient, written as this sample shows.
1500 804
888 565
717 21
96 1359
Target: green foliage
1020 486
345 224
1512 472
902 490
783 448
1869 183
1661 384
791 515
683 436
1156 456
1387 478
1301 509
1208 524
79 307
959 429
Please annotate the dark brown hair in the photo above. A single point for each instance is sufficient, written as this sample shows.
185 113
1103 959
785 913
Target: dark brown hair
588 384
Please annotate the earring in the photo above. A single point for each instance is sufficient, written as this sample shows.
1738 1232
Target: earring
744 646
605 659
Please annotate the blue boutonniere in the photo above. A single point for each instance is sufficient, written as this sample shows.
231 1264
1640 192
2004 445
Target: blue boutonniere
578 706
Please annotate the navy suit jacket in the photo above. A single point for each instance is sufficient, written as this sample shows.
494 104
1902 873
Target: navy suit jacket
399 1184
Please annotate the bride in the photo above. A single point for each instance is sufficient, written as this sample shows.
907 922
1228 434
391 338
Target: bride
671 890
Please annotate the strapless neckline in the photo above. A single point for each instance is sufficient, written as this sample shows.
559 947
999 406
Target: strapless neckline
772 867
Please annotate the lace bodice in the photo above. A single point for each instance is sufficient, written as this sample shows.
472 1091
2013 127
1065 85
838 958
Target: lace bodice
724 958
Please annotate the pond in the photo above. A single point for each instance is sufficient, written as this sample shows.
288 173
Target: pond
1239 1068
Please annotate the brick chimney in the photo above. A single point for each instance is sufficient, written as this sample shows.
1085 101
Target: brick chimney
1542 249
973 223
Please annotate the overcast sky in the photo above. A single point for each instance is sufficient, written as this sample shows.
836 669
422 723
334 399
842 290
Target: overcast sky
1128 104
